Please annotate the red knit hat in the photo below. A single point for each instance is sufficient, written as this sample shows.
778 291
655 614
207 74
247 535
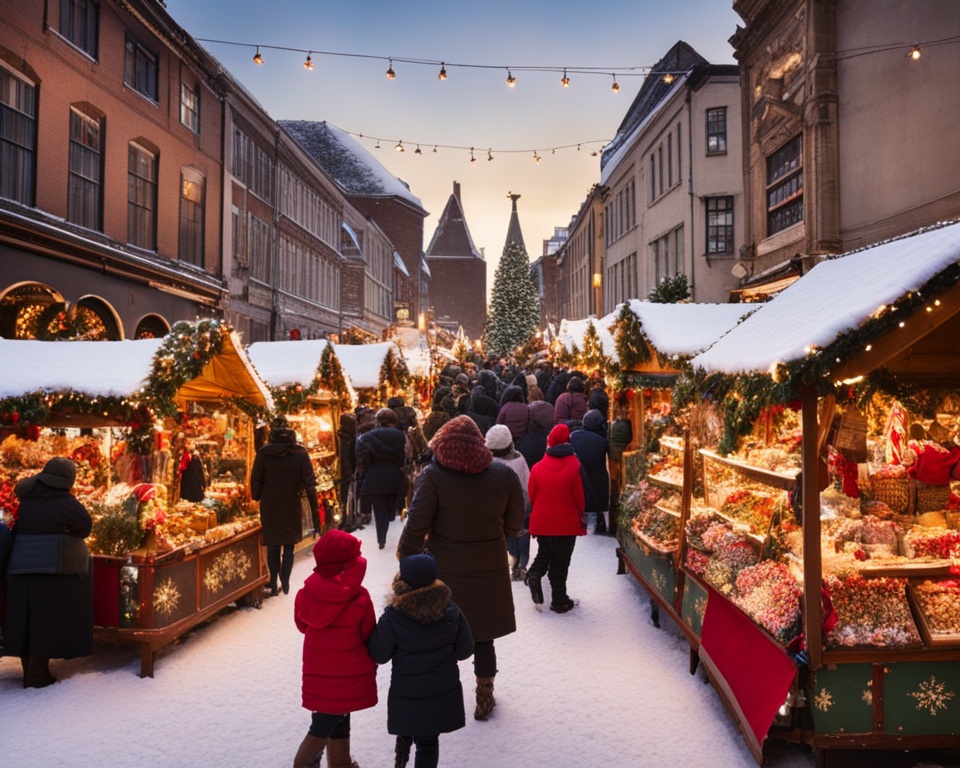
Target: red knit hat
459 445
559 434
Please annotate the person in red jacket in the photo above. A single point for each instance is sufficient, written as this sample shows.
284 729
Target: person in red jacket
335 614
556 519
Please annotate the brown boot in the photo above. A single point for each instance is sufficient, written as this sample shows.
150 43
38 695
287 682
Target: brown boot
310 752
36 672
485 700
338 754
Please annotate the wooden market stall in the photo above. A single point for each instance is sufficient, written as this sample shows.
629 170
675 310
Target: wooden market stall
310 390
162 564
821 560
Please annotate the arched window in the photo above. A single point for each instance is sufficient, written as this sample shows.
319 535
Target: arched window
22 307
151 327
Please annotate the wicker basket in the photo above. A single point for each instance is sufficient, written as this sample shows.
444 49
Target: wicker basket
932 498
895 492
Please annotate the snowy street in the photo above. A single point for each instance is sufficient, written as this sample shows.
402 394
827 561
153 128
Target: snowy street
599 686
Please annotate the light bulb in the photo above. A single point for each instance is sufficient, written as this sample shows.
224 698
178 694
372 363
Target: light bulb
473 160
434 150
390 73
443 72
399 146
377 145
536 157
257 58
511 80
308 64
668 78
489 154
565 81
915 53
616 86
417 150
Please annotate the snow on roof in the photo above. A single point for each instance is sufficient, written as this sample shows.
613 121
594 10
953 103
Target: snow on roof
837 295
361 362
572 332
287 362
416 351
398 263
347 161
683 330
93 368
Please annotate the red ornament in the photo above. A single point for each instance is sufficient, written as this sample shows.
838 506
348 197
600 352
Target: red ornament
14 418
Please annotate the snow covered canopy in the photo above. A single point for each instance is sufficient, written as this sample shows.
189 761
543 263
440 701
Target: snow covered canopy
416 352
843 293
228 374
92 368
673 330
361 362
285 363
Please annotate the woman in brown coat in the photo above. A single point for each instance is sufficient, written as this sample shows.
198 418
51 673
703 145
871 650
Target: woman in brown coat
464 509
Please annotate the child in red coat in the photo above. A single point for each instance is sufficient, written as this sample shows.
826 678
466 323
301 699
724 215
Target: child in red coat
335 614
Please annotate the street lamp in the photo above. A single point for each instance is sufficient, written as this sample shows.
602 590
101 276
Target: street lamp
596 290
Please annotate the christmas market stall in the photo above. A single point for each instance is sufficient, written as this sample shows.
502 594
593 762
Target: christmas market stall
823 555
376 372
161 431
310 390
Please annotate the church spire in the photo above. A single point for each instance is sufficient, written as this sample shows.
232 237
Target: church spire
514 235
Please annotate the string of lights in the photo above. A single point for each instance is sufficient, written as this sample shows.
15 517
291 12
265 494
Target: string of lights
400 146
443 66
913 50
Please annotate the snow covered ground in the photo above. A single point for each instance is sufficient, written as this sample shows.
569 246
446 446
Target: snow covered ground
599 686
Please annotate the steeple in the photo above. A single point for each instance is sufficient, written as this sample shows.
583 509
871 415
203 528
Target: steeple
452 237
514 235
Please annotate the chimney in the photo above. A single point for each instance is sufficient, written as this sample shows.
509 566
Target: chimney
456 190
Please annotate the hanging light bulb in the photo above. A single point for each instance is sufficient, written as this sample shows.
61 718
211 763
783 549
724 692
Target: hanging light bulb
434 149
443 72
390 73
565 81
377 145
616 86
536 157
417 150
257 58
668 78
308 64
489 154
399 146
511 80
473 160
915 53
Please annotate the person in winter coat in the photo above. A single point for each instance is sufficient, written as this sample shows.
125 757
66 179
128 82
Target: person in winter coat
590 445
597 399
47 616
424 634
501 446
193 478
533 389
492 384
514 412
464 509
347 433
381 454
334 613
571 405
534 442
556 494
282 470
482 408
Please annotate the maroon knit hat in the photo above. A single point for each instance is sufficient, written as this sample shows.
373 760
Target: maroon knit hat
559 434
459 445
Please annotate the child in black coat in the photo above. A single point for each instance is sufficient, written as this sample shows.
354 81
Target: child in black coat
424 633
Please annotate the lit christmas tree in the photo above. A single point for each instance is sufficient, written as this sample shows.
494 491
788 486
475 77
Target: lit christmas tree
514 314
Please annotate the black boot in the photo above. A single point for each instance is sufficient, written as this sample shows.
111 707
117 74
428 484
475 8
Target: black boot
403 751
36 672
536 589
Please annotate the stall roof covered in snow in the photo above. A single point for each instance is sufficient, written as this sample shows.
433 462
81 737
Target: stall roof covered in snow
280 363
344 159
416 351
93 368
674 330
361 362
835 296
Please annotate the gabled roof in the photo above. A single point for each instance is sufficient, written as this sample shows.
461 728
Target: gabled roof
353 168
836 296
451 239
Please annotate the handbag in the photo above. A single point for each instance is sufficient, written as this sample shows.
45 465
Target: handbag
55 554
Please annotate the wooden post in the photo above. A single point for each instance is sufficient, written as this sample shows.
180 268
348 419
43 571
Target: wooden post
812 576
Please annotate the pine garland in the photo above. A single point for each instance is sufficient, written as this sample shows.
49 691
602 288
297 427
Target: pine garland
632 348
592 358
331 373
394 376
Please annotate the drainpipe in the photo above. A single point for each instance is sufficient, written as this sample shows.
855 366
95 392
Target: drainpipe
275 244
693 239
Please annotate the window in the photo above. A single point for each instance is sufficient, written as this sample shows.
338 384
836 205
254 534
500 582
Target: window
84 180
785 186
140 69
660 168
717 131
141 197
719 225
260 247
653 177
679 155
18 138
669 160
79 24
190 107
191 216
662 247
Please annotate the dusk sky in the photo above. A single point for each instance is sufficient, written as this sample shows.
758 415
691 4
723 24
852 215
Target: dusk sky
473 107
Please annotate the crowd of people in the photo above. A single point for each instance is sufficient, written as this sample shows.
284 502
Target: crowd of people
502 456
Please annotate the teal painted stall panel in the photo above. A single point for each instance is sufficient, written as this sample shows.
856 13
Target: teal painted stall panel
922 698
841 699
693 605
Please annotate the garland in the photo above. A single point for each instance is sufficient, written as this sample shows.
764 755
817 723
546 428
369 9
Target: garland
632 348
592 357
394 376
331 372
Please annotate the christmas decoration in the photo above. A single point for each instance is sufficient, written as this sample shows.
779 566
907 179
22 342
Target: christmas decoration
514 313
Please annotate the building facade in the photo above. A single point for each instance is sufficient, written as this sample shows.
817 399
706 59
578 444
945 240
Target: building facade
110 156
843 117
580 273
672 183
458 270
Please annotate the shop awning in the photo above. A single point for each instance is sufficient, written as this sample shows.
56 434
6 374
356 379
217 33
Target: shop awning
228 374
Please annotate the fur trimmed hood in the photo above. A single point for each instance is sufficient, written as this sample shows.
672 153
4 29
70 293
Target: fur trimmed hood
458 445
426 605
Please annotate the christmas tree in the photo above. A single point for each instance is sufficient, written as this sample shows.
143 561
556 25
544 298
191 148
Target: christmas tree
514 313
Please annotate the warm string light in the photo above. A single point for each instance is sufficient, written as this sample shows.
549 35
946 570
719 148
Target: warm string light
616 86
565 81
915 53
511 80
308 63
257 58
443 72
391 75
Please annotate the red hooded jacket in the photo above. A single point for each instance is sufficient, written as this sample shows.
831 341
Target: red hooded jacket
335 614
556 493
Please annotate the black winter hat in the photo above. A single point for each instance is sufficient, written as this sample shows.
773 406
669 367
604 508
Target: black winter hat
418 570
